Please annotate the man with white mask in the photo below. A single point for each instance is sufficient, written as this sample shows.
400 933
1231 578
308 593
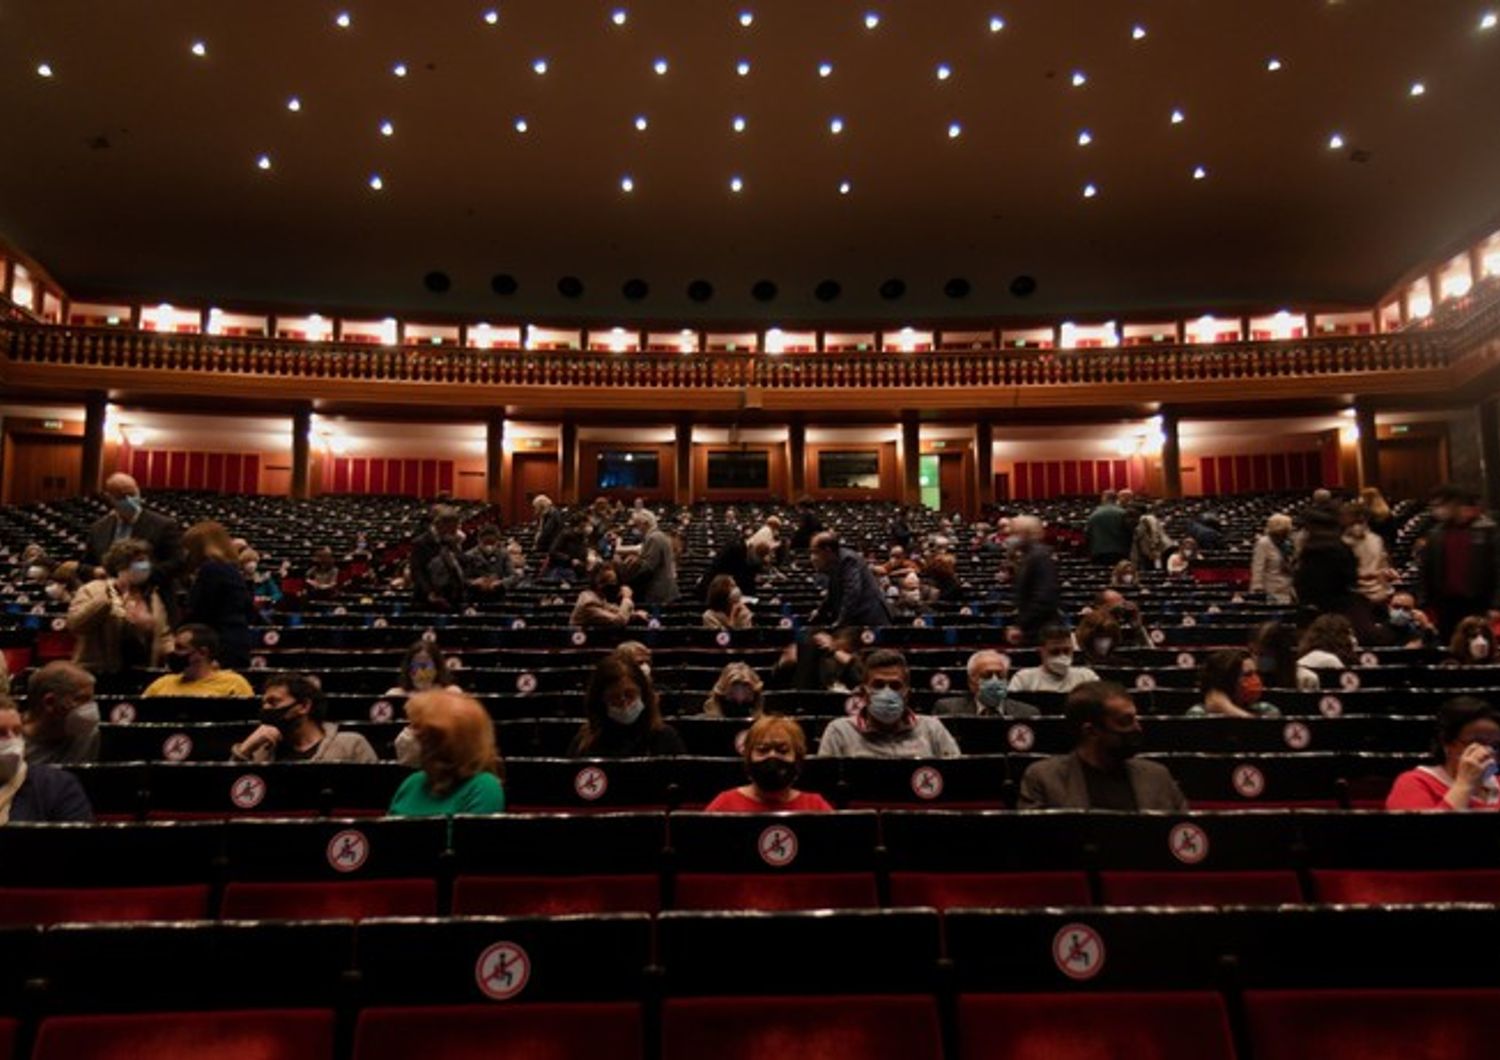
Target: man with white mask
884 726
129 518
62 719
34 793
1057 672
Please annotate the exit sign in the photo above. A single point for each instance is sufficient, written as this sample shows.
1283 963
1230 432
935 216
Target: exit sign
1400 428
52 425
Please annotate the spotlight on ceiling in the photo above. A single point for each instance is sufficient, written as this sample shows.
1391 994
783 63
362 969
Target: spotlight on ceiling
399 69
996 23
892 289
742 68
660 66
828 290
263 162
570 287
44 69
342 20
199 48
825 69
619 16
1335 142
845 187
872 19
955 130
1090 191
522 125
1138 32
700 291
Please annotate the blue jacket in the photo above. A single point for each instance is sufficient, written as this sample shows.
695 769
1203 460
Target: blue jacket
50 795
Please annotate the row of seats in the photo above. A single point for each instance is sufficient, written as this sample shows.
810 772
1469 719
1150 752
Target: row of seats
1189 984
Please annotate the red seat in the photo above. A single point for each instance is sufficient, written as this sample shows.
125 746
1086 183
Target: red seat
801 1028
1165 1026
555 895
58 905
1201 888
1379 886
344 900
471 1032
276 1034
989 890
829 890
8 1029
1365 1024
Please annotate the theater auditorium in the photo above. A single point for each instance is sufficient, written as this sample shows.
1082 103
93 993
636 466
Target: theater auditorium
658 530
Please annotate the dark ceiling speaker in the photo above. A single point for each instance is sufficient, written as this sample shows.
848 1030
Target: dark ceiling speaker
958 287
892 289
570 287
635 289
1023 286
437 282
828 290
700 290
763 291
504 283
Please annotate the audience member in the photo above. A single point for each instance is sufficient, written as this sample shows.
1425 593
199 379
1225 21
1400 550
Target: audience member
1463 777
34 792
1106 533
726 607
436 550
63 582
1382 519
775 748
1180 561
1271 560
323 575
1460 567
265 587
1273 645
1037 593
292 728
1056 672
194 662
1127 615
738 693
219 597
605 602
739 560
1231 686
423 669
1328 644
1101 772
884 726
549 524
1373 567
460 765
1097 637
1149 542
1409 625
653 575
62 720
823 662
988 694
119 622
854 596
1327 574
1473 643
622 715
809 526
636 653
1123 575
130 518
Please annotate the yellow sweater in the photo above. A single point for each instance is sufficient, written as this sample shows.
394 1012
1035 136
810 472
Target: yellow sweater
218 683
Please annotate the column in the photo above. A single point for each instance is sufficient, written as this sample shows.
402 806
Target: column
1171 454
1488 415
684 454
984 465
796 454
301 451
1368 445
494 458
911 458
567 454
94 409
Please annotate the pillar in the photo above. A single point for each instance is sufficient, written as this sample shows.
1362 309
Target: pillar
684 458
301 451
911 458
796 454
494 459
567 454
1171 454
984 465
94 409
1489 449
1368 445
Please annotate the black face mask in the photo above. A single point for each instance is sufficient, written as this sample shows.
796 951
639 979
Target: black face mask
1125 745
280 717
177 661
610 592
772 774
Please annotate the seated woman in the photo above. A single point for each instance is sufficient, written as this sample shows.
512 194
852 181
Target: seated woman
1468 731
622 715
738 693
1273 645
1328 644
460 765
726 605
775 749
34 793
1180 562
423 669
1473 643
1123 575
605 602
1097 635
119 622
265 588
1231 687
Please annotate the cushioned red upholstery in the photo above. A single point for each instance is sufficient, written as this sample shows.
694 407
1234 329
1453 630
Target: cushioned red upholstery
300 1034
1200 888
555 895
1372 1024
470 1032
801 1028
989 890
832 890
1375 886
7 1039
346 899
57 905
1165 1026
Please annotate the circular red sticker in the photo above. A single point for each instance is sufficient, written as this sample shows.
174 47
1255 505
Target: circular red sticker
270 638
380 623
927 782
382 711
1249 781
1078 951
177 747
518 623
1185 660
1020 737
1349 680
919 622
123 714
784 623
590 784
429 636
58 624
1297 735
1013 636
867 637
579 638
1145 682
1331 706
455 662
1158 636
502 971
723 638
247 791
1369 658
1189 621
348 850
778 846
940 682
526 683
257 662
653 623
1188 843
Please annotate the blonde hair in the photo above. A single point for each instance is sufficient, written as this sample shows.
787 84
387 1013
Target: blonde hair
735 672
1374 500
1278 523
769 725
208 540
457 738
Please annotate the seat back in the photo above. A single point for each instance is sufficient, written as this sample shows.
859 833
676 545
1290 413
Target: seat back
1356 1024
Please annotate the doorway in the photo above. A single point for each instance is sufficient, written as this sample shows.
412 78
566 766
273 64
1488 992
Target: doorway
42 467
929 478
532 474
1410 467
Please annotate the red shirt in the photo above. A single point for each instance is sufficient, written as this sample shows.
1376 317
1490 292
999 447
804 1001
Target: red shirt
732 801
1425 788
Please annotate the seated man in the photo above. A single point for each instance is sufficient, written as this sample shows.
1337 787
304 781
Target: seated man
884 726
487 566
195 662
324 572
1057 672
988 696
1101 772
1133 632
62 720
34 792
292 728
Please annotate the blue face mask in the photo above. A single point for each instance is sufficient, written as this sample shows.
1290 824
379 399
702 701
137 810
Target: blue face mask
129 506
992 692
627 714
887 706
1400 616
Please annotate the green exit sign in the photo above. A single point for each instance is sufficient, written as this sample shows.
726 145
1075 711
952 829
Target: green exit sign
52 425
1400 428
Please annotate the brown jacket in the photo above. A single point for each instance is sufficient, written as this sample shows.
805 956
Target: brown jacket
96 617
1057 783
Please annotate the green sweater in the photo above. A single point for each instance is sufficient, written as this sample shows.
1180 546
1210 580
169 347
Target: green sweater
481 793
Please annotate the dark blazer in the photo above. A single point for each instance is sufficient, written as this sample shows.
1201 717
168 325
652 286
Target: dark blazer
159 531
220 599
50 794
1057 783
951 706
1484 567
854 596
1037 593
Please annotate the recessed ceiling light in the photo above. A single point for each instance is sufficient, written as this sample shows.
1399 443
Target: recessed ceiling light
44 69
521 125
996 23
641 124
627 184
1177 116
825 69
1085 138
845 187
660 66
1089 191
872 19
343 20
955 130
836 126
387 128
263 162
747 19
1418 89
540 66
294 104
944 71
738 125
742 68
1199 173
619 16
491 16
399 69
375 182
1273 65
1138 32
1489 20
200 49
736 184
1079 78
1335 142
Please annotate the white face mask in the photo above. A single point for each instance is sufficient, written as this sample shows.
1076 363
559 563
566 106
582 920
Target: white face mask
1479 648
12 754
1058 664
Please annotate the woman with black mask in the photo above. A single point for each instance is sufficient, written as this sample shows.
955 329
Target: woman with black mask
605 602
775 748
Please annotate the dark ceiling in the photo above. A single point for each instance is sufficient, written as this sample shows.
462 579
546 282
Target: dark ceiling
134 166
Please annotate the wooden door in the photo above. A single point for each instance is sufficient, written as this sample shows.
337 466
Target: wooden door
42 467
953 485
1410 467
531 474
